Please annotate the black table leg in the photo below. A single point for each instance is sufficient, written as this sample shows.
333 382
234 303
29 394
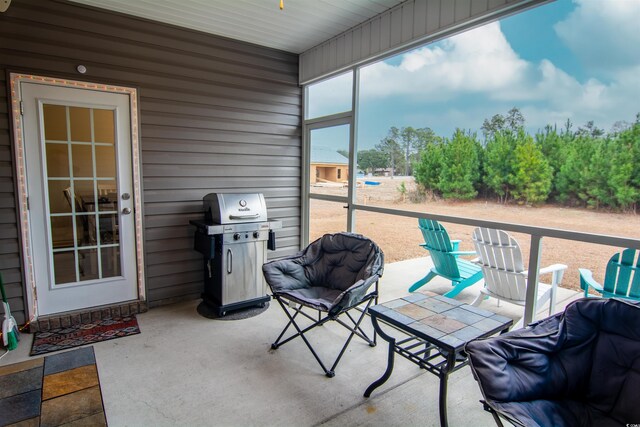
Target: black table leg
387 373
444 379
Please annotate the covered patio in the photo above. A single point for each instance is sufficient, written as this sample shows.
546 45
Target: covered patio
184 369
224 109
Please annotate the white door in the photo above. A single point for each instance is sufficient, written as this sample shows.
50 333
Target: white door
80 196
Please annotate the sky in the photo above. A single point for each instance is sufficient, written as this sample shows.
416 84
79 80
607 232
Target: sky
570 59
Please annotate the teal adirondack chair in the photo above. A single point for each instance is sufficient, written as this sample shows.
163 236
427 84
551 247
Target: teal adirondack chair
446 262
621 278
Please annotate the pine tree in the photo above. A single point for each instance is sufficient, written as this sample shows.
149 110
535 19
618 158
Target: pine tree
573 176
427 171
553 145
624 177
460 171
596 191
498 163
531 173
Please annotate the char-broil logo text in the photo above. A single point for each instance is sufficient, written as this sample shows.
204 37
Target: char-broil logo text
243 204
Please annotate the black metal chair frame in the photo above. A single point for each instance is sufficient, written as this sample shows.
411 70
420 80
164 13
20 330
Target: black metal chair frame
295 308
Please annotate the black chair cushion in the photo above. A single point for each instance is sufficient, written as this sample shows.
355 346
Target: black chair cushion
581 367
331 273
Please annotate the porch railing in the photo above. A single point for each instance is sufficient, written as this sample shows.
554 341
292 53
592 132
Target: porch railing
536 233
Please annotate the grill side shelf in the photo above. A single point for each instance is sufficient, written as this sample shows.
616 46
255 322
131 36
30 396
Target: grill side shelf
207 228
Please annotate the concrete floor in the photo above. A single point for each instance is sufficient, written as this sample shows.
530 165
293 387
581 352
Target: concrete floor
184 369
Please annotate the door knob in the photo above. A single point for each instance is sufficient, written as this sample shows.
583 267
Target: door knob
126 211
125 196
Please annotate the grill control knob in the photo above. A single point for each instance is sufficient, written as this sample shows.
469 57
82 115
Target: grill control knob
236 236
256 234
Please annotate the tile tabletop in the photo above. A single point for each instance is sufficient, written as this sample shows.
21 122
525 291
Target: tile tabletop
443 321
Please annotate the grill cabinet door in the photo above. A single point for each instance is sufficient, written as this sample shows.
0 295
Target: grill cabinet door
242 271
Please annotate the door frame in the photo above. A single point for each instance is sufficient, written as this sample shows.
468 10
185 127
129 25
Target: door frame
21 176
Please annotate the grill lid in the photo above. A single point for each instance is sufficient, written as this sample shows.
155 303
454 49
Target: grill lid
234 208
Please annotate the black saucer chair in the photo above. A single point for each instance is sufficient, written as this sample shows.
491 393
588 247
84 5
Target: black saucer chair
577 368
331 276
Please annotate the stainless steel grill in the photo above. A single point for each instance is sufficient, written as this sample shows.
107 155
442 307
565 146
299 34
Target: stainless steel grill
234 238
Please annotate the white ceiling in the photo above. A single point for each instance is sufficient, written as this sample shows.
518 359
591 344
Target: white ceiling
301 25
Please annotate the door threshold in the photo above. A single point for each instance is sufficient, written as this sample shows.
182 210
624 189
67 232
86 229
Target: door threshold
87 315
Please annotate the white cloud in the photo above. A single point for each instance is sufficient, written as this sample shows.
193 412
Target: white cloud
566 98
560 88
603 35
477 61
481 62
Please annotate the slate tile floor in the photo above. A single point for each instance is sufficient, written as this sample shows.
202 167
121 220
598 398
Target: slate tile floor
58 390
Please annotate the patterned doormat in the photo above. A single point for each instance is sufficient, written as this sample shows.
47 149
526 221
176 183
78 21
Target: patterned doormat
88 333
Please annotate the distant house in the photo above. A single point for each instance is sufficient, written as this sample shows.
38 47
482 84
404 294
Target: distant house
383 172
327 165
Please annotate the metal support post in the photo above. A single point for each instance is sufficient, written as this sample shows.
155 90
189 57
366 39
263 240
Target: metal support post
532 279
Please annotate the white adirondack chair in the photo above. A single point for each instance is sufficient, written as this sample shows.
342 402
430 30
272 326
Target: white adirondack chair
504 275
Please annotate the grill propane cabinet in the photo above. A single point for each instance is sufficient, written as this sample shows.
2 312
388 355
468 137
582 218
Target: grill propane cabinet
233 238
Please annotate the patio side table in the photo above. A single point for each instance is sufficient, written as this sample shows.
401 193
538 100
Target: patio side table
434 330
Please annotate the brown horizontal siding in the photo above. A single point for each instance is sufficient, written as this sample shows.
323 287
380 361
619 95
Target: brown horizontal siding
186 171
74 19
7 215
242 97
162 296
251 105
5 154
188 134
192 194
173 256
213 184
215 115
211 123
171 146
160 158
144 58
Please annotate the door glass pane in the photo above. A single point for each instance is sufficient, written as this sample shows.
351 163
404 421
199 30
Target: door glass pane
105 161
64 267
108 189
86 229
109 229
87 194
111 262
88 264
329 160
55 122
80 122
62 231
82 160
60 196
57 160
103 126
107 204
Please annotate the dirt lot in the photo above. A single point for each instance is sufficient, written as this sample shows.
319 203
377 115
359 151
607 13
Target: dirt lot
399 236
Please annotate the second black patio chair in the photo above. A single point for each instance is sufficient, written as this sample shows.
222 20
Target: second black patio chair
577 368
332 276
